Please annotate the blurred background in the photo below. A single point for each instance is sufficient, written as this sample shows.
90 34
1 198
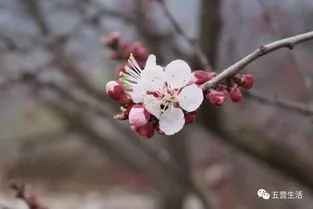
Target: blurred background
56 128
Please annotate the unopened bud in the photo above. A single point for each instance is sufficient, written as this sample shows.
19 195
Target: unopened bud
139 51
115 90
115 55
236 95
138 116
246 81
112 40
146 131
200 77
216 97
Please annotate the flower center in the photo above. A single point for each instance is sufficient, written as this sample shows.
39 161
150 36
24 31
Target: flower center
170 98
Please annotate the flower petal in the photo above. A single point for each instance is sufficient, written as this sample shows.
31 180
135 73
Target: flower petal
154 79
151 62
190 98
177 74
172 121
138 92
152 105
138 116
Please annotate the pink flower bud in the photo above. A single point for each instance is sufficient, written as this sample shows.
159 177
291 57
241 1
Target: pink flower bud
190 118
142 64
138 116
246 81
115 55
200 77
115 90
112 40
139 51
128 109
216 97
236 95
125 100
146 131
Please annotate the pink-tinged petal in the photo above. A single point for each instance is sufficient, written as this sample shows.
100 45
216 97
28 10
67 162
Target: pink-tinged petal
177 74
153 105
172 121
138 116
190 98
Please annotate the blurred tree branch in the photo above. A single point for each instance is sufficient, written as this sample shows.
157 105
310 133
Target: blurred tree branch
180 31
35 11
32 201
306 110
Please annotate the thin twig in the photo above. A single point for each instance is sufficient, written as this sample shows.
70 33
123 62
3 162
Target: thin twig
277 31
261 51
283 103
195 45
38 16
31 200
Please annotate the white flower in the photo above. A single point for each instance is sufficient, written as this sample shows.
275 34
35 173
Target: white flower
163 92
136 80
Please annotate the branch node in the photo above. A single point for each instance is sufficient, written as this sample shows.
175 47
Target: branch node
263 50
291 45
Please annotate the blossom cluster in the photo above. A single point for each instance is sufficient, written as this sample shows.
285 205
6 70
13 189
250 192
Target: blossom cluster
163 99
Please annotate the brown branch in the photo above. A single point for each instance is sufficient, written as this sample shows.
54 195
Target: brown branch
35 11
278 31
277 155
195 45
283 103
31 200
289 43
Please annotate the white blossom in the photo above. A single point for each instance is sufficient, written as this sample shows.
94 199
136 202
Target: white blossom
165 93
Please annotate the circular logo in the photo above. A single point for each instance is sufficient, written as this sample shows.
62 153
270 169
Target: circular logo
263 194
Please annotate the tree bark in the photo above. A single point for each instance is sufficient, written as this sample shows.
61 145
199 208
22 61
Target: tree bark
210 26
